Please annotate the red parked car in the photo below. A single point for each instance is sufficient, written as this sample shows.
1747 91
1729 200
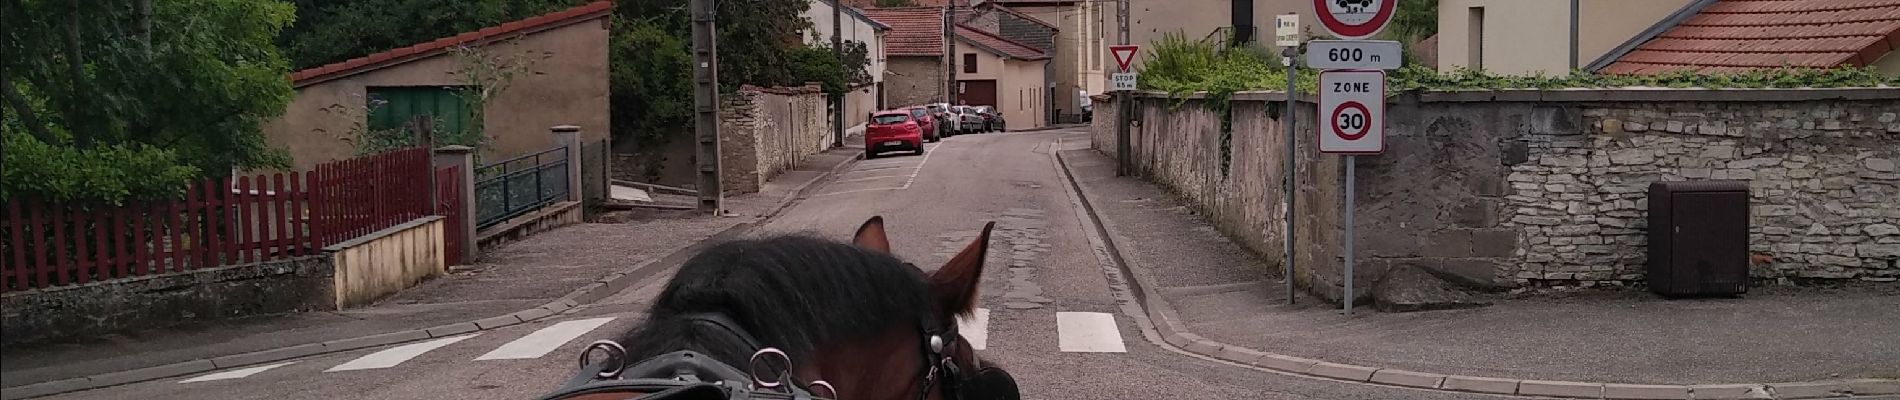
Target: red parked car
922 116
893 130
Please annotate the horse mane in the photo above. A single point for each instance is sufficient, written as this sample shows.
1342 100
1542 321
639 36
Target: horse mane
792 292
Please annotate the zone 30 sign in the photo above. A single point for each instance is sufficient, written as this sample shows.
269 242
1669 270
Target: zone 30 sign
1352 111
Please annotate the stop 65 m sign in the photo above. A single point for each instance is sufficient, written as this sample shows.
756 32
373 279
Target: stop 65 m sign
1352 111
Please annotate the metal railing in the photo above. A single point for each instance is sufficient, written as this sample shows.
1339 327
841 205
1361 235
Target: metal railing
516 186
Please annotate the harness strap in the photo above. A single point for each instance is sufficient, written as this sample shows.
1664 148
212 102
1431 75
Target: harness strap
726 324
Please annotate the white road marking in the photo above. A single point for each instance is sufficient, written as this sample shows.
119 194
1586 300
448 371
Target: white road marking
544 340
236 373
920 168
976 328
397 355
1088 332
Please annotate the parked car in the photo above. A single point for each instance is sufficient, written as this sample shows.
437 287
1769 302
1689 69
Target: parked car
893 130
968 120
941 111
933 131
992 120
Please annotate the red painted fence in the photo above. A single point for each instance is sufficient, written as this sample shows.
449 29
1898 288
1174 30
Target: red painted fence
219 222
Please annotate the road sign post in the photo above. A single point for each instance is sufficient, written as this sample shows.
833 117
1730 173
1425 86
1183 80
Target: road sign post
1122 83
1352 111
1286 34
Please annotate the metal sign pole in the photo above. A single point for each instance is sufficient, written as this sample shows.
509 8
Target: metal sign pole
1287 126
1349 234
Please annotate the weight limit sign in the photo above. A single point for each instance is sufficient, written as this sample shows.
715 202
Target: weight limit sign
1352 105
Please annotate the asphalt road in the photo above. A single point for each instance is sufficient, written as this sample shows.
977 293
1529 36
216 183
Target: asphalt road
1053 316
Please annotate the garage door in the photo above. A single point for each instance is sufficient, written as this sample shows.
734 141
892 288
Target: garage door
977 93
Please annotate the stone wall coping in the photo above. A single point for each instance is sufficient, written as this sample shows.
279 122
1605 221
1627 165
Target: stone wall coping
140 278
808 88
1645 94
373 236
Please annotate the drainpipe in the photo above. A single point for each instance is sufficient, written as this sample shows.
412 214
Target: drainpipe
1573 35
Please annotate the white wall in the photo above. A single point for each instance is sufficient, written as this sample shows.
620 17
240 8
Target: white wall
854 29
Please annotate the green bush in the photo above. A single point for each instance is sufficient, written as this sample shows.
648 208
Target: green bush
103 175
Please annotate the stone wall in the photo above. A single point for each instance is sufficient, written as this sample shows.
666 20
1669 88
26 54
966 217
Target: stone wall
911 80
160 301
1534 188
765 131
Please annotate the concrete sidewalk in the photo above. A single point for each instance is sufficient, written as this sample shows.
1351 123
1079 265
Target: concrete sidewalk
519 281
1207 295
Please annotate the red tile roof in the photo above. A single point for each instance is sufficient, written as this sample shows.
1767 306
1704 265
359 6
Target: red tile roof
999 45
1738 35
915 31
424 50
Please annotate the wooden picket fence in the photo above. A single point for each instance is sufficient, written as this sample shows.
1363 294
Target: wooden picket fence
223 221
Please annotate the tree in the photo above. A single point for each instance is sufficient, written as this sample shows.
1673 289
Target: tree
185 81
328 31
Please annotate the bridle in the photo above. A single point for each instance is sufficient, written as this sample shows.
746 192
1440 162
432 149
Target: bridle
686 373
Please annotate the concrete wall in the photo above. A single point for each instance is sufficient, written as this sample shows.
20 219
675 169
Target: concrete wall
1604 24
382 263
765 131
566 85
858 106
159 301
1889 64
1531 188
911 81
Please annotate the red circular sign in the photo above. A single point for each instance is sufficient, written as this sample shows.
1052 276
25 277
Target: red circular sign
1364 123
1348 19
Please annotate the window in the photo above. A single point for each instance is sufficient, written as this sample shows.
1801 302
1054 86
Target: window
392 106
1474 44
969 63
889 119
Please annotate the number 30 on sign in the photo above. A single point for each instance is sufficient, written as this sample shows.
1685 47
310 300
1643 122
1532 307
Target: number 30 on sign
1352 111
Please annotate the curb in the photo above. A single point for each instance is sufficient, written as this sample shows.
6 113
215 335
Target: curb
599 289
1175 333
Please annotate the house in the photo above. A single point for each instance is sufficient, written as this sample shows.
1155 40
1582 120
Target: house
1553 37
914 67
563 82
1728 35
1038 34
995 71
1217 20
857 27
1540 36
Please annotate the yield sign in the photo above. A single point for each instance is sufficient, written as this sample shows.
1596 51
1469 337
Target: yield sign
1124 54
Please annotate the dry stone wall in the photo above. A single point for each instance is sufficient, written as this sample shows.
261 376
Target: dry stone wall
1541 188
766 131
1821 174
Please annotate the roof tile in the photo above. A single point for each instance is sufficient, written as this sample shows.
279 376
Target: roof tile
1735 35
915 31
403 54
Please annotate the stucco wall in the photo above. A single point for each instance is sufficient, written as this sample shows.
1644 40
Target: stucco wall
1604 24
566 85
910 81
854 29
1519 37
384 262
1528 188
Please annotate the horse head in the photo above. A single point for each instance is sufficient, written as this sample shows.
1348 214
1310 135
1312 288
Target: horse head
844 320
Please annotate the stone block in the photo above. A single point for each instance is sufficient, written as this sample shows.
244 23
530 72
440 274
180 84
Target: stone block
1480 384
1493 242
1809 390
1625 391
1560 389
1407 378
1342 371
1450 243
1730 392
1285 363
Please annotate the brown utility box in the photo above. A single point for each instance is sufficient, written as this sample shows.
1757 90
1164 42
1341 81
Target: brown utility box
1698 238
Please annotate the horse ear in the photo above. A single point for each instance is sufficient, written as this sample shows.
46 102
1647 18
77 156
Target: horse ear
954 285
871 235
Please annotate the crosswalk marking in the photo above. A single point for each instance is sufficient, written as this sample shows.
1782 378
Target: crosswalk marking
545 340
976 328
397 355
1088 332
236 373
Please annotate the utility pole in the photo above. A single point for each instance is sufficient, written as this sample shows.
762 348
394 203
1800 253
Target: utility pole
1122 107
706 106
837 50
950 51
